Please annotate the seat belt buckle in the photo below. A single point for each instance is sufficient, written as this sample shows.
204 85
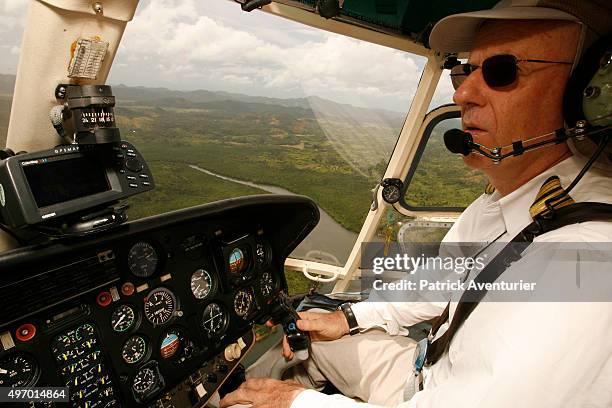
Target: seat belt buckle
420 356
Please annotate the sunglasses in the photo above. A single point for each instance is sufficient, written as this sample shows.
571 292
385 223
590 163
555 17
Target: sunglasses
498 71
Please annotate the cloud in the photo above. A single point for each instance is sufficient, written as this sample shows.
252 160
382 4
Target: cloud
191 41
13 6
12 14
190 44
444 92
12 22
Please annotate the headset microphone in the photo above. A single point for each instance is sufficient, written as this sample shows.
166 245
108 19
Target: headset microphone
458 141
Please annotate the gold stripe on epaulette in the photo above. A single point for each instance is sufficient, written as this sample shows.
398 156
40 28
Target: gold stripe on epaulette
553 193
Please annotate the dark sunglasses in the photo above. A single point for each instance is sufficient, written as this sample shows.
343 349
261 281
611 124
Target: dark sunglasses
497 71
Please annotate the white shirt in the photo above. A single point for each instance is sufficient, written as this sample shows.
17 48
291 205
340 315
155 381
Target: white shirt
524 354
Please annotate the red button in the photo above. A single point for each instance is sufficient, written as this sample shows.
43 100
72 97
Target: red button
104 299
127 289
25 332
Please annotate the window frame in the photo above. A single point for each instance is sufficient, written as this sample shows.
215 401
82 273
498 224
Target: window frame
414 166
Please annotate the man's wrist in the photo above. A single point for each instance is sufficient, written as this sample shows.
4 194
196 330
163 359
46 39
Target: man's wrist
353 326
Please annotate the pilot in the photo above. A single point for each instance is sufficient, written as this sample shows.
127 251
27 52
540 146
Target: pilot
522 53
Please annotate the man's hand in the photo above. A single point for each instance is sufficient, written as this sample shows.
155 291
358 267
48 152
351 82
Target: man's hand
320 326
264 393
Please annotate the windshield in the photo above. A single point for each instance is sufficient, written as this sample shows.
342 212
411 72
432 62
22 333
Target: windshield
12 21
257 104
224 103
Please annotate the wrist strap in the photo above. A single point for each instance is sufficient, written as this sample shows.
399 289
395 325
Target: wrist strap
350 318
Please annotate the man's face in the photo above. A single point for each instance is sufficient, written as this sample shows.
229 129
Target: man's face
529 107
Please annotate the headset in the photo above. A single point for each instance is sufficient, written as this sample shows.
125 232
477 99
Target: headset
588 92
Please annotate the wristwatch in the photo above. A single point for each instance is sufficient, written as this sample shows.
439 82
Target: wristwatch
350 318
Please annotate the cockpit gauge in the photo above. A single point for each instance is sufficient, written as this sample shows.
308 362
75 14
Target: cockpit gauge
145 381
201 283
243 302
85 330
237 261
142 259
18 370
267 284
214 319
170 345
134 349
392 190
261 254
175 345
123 318
160 306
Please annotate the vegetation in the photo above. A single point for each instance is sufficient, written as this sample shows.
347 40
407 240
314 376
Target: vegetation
183 187
335 156
441 179
297 283
267 144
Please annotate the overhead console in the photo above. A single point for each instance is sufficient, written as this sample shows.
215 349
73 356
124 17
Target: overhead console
156 312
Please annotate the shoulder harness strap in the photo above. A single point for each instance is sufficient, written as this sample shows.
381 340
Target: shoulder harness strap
552 209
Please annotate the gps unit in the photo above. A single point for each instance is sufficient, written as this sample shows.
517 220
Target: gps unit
39 187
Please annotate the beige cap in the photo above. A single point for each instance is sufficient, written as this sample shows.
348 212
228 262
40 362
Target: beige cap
456 33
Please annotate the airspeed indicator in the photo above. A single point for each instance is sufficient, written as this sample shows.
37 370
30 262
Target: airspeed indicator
159 306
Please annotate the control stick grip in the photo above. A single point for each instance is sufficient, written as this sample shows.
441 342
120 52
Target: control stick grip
299 341
282 312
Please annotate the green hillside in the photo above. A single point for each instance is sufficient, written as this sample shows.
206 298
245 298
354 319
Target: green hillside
331 152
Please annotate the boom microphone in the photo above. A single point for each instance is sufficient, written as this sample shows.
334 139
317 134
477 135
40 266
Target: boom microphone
458 141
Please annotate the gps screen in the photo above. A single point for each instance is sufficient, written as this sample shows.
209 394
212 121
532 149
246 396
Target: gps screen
58 181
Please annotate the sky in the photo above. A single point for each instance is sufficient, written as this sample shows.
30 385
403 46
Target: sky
213 45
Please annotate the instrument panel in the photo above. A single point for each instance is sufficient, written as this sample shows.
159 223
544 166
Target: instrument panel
156 313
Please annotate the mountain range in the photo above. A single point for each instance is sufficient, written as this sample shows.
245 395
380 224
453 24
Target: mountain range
203 98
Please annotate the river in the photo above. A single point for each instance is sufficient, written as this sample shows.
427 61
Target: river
329 242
